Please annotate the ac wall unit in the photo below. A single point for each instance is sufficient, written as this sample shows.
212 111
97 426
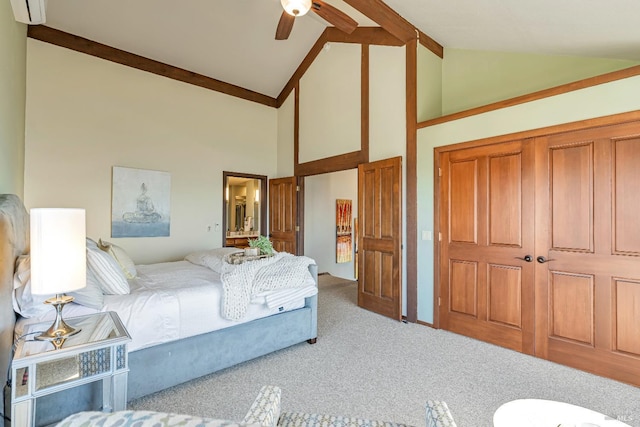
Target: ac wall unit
29 11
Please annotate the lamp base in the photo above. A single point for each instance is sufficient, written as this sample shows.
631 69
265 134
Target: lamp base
59 330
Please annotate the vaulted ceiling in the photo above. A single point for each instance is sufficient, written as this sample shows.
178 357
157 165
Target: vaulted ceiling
233 40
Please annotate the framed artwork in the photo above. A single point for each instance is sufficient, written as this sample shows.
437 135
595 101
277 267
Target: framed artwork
140 203
344 252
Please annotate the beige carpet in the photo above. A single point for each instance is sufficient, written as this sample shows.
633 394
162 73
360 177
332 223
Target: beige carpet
368 366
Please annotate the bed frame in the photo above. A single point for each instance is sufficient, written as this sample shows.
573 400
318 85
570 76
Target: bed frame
151 369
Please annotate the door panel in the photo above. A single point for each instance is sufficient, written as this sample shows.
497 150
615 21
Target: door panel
486 217
588 292
626 188
380 238
283 214
571 183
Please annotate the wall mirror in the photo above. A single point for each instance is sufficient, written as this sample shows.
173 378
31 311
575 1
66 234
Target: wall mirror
245 208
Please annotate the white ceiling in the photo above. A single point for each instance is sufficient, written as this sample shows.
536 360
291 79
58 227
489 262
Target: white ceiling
233 40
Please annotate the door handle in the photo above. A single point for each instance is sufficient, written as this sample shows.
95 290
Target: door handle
527 258
542 259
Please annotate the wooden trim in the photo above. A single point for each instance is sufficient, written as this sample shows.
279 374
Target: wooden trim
364 103
363 35
344 161
436 240
613 119
296 127
411 214
390 20
336 163
99 50
430 44
545 93
300 216
387 18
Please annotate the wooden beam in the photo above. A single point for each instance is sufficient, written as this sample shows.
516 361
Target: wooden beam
390 20
384 16
411 191
99 50
363 35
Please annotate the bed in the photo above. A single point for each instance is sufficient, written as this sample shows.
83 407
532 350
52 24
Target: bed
190 351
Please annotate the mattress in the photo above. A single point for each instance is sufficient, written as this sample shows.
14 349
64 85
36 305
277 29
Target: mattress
174 300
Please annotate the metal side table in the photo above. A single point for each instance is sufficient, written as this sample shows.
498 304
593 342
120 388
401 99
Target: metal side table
97 353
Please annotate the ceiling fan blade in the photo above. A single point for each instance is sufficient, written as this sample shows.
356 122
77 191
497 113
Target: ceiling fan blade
285 25
335 17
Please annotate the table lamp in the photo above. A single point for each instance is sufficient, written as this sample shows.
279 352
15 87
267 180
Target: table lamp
58 261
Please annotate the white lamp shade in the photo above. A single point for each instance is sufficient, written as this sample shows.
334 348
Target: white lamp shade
296 7
58 250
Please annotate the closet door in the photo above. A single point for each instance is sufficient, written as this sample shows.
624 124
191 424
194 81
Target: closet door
486 250
588 250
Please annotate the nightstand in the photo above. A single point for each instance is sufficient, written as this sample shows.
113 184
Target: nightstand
97 353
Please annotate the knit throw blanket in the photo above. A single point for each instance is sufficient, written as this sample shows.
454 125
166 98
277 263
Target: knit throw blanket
242 281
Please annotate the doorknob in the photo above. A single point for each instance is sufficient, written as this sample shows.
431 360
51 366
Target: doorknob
527 258
542 259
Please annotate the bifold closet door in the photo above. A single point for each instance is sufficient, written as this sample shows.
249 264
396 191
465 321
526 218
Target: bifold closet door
588 235
486 249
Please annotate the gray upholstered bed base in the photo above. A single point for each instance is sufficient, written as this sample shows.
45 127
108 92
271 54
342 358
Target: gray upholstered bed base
155 368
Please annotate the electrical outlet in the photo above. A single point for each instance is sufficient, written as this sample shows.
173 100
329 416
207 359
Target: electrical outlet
217 227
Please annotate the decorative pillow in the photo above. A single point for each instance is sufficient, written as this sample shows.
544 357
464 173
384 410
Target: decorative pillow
213 258
110 277
29 305
122 258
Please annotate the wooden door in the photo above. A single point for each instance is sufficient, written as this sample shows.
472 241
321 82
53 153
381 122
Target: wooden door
588 231
487 243
380 237
283 214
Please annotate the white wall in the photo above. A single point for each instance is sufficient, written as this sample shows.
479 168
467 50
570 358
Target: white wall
321 192
286 117
13 51
330 103
597 101
86 115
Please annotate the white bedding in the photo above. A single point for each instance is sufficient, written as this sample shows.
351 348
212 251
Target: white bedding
175 300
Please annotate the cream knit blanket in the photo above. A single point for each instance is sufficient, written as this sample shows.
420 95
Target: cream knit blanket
242 281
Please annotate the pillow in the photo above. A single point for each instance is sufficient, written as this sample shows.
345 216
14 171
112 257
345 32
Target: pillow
213 258
28 305
123 259
91 295
110 277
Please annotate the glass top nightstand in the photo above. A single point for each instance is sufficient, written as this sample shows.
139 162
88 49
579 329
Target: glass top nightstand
97 352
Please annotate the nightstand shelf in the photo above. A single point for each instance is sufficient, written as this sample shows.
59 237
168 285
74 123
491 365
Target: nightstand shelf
97 353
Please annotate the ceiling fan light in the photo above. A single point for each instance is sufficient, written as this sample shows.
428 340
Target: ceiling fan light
296 7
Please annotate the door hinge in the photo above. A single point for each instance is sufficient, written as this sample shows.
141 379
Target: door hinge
439 301
439 237
297 188
297 228
439 171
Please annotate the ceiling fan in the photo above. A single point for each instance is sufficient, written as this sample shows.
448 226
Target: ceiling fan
294 8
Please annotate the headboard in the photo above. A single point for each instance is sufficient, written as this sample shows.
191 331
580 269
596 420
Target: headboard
14 241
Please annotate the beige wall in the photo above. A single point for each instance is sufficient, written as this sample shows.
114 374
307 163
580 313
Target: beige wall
475 78
13 48
429 84
86 115
597 101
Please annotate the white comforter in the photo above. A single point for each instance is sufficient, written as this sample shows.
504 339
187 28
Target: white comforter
175 300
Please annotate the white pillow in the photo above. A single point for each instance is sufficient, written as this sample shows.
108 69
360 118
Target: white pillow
28 305
122 258
110 277
213 258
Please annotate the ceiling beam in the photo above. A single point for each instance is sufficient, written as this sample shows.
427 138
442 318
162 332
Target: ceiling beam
390 20
90 47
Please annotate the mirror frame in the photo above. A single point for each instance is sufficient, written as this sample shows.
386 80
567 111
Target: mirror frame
263 201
